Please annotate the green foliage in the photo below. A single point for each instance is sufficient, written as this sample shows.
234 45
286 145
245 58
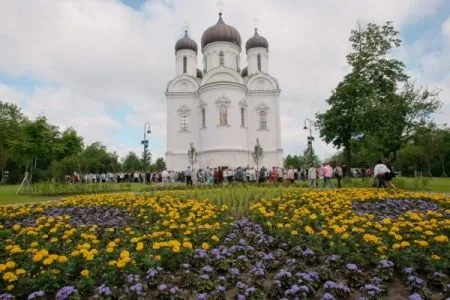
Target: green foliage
375 106
131 163
159 165
257 154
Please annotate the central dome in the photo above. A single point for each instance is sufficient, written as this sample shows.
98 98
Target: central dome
221 32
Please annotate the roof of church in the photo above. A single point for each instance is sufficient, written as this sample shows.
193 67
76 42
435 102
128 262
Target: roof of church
221 32
256 41
186 43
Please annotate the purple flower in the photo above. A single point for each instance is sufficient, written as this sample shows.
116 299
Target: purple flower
203 296
162 287
415 296
241 297
283 273
137 288
250 291
351 267
35 295
207 269
204 277
291 261
174 290
151 273
327 296
415 281
221 278
372 289
386 264
439 275
240 285
408 271
221 288
310 276
103 290
308 252
65 292
6 296
200 253
234 272
332 259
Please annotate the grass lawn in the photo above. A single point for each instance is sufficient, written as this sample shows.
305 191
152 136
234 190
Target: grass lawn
436 185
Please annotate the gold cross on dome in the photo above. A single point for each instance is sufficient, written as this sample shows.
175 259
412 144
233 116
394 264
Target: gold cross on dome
255 22
186 25
220 6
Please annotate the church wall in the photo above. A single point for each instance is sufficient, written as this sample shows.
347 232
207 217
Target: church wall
216 136
191 57
230 51
252 60
177 140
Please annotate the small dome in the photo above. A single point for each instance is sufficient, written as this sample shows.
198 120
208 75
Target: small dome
244 72
186 43
199 74
221 32
256 41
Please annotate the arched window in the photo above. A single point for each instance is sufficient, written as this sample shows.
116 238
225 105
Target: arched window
184 64
184 122
259 62
223 115
242 117
203 118
221 58
262 119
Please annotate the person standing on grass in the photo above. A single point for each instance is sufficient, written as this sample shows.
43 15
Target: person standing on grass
188 175
379 173
312 176
339 174
327 175
291 174
165 176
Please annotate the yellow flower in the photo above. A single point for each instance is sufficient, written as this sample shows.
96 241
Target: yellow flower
404 244
435 257
9 277
158 257
10 264
396 246
187 245
2 267
75 253
215 238
205 246
294 232
309 230
84 273
124 254
20 271
110 250
16 227
441 239
421 243
47 261
112 263
121 264
140 246
176 249
9 287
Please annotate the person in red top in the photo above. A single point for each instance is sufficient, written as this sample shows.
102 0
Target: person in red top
273 175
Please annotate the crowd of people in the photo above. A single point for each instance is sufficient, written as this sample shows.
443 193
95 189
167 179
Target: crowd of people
316 176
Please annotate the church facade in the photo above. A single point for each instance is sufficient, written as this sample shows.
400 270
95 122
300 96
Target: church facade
223 109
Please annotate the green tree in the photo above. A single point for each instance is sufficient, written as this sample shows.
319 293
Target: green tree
257 154
310 158
70 143
131 163
146 159
96 159
159 165
10 119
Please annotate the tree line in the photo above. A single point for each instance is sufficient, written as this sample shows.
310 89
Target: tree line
45 152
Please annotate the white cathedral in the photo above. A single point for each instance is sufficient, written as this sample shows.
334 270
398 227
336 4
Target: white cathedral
223 110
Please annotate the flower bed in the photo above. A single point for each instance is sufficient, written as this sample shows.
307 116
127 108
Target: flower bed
87 240
304 244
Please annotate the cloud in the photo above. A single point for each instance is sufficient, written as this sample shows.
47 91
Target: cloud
103 66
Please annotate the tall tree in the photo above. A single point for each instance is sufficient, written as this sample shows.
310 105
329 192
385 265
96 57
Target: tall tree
131 162
375 102
160 164
257 154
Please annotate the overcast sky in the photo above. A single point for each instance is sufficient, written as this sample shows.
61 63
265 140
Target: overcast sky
101 66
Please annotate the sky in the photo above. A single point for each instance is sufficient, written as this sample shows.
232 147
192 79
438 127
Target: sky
101 66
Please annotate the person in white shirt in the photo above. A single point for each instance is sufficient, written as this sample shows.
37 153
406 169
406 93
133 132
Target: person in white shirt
291 174
379 171
312 176
165 176
188 175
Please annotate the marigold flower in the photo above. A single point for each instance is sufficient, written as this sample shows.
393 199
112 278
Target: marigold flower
205 246
84 273
441 239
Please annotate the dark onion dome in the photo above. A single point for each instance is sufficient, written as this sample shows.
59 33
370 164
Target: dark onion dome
221 32
199 74
244 72
186 43
256 41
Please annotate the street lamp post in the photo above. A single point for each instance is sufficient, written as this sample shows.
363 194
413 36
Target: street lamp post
310 139
145 141
192 155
